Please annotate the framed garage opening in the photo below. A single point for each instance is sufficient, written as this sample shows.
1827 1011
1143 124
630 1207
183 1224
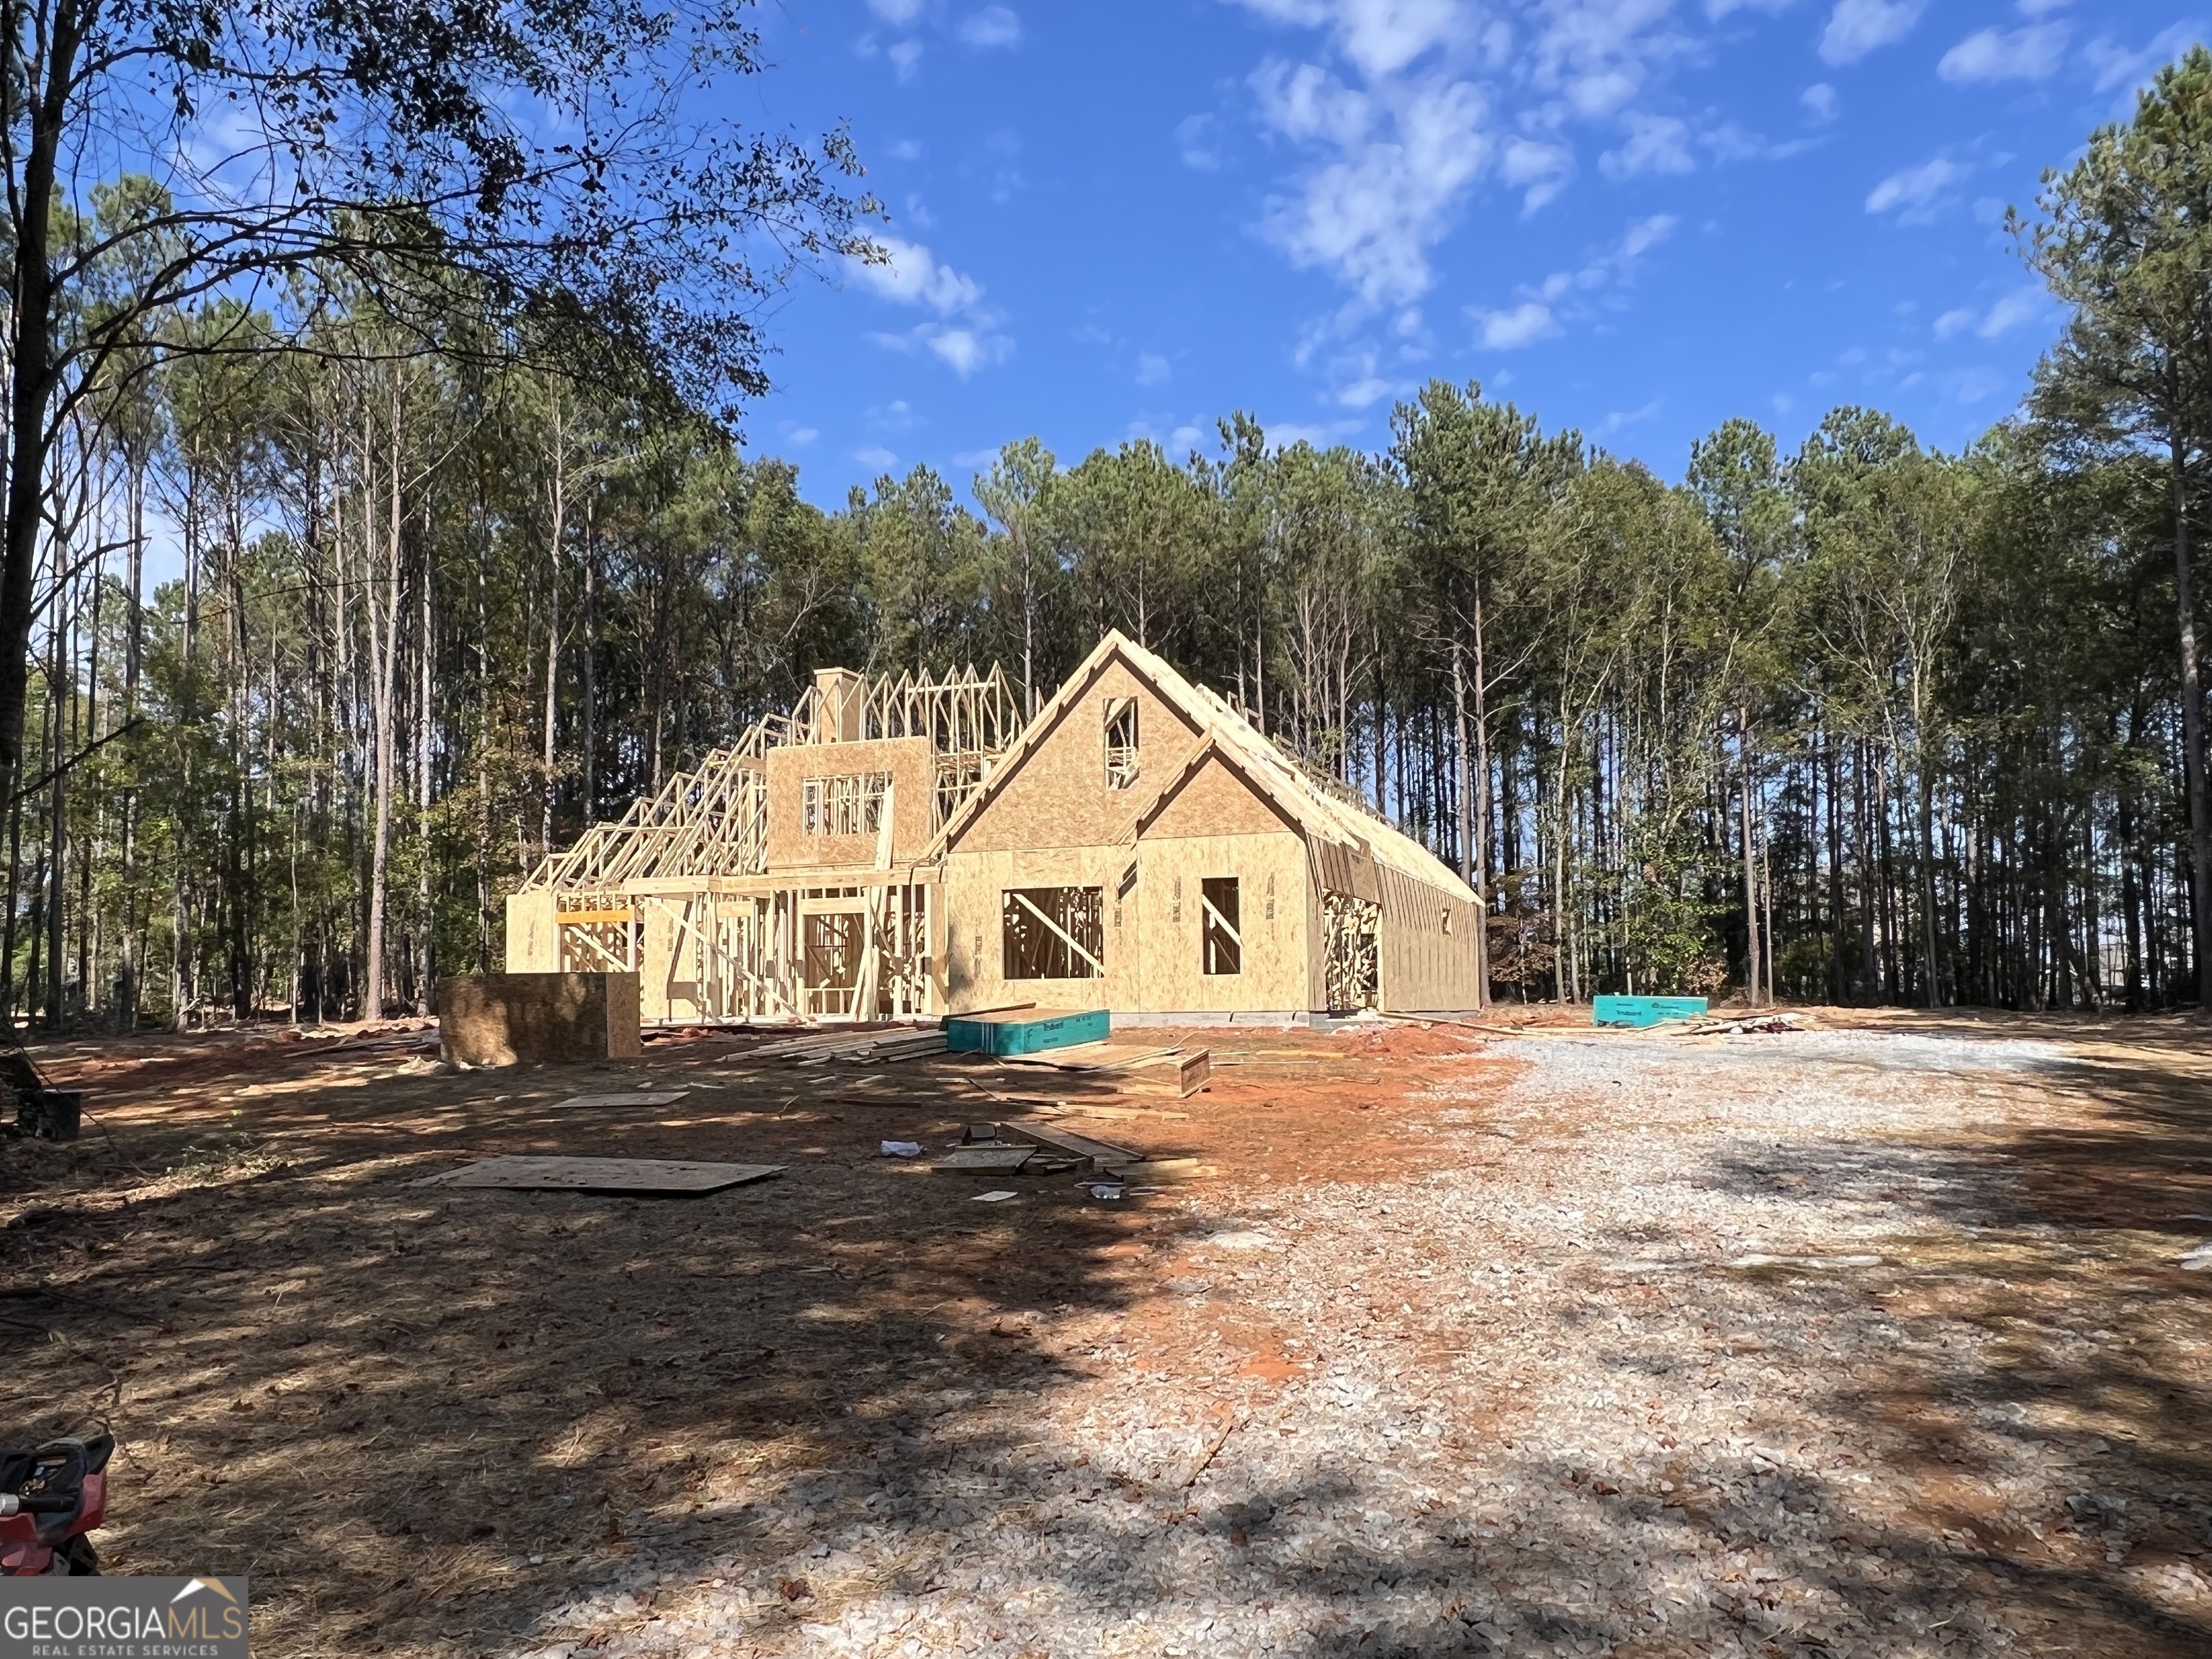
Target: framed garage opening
1054 932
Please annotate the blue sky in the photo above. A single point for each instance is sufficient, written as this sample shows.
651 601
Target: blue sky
1636 217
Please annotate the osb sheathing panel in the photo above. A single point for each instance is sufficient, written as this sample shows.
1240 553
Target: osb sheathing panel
1214 802
1271 874
913 793
533 938
974 889
1056 793
1425 966
1151 955
536 1020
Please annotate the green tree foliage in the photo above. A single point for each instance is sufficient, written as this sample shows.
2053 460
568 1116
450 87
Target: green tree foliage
1867 722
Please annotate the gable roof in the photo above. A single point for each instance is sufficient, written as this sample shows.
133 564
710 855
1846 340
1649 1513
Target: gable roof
1224 731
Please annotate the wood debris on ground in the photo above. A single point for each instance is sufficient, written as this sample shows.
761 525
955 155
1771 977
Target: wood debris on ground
1760 1022
852 1047
1864 1341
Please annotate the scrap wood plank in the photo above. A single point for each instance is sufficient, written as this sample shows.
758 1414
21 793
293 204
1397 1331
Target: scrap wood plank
1091 1057
1075 1145
1107 1113
605 1175
669 1099
1162 1168
985 1160
1183 1075
995 1008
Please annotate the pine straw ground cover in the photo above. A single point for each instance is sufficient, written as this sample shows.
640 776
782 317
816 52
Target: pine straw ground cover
1866 1340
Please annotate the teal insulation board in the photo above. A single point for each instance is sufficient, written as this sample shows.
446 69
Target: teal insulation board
1026 1031
1640 1011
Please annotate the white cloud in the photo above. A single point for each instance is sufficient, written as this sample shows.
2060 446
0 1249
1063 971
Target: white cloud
994 25
1566 295
2023 305
876 458
1183 440
1543 168
896 11
1525 324
1306 102
965 349
1973 384
1320 436
1643 236
2028 54
1381 36
1856 27
2115 65
1620 418
1371 390
2042 8
906 56
1657 144
1153 369
912 276
1821 101
1404 159
800 437
1915 189
1407 106
1197 143
1361 382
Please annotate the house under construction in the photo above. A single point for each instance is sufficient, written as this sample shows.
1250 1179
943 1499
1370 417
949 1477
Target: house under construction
896 847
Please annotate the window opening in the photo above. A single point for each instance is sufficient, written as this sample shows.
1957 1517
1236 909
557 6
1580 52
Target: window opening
1221 948
1054 932
849 806
1120 743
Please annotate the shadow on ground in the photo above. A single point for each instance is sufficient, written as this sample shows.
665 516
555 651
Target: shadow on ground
429 1421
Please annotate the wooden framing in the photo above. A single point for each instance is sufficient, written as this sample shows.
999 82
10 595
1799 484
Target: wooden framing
858 857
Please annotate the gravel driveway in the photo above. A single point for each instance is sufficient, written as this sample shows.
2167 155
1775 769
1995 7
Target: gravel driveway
1772 1344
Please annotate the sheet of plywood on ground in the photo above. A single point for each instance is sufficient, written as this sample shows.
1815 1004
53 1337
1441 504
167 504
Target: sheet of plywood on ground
606 1174
1075 1145
585 1101
985 1160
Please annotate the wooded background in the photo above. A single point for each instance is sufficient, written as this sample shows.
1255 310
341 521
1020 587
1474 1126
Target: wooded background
1858 721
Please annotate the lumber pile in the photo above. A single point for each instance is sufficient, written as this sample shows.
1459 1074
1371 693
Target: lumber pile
853 1047
1747 1026
1147 1071
1034 1149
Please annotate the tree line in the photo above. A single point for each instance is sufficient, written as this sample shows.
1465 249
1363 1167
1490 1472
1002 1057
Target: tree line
1857 720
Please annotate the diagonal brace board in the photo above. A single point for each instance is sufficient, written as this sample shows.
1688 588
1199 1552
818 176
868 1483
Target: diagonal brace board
1066 938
